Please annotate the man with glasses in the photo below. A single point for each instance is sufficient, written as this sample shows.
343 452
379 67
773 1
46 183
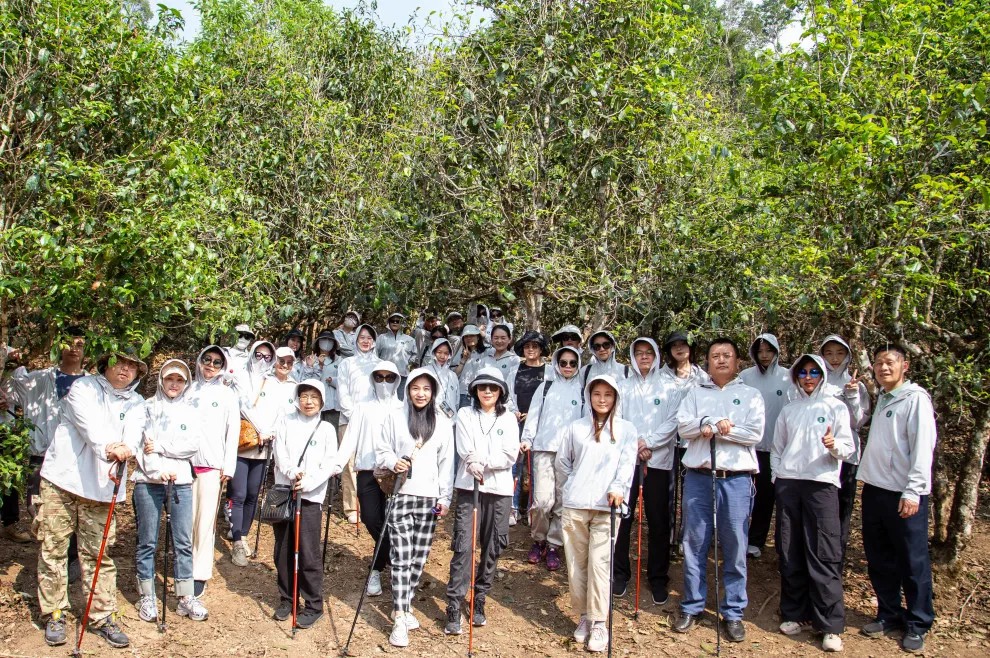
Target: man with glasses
397 347
728 414
896 472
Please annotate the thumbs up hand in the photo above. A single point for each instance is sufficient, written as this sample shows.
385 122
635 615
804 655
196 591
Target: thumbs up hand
828 440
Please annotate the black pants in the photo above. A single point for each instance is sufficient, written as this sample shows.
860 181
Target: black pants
244 488
372 501
310 556
656 509
763 503
493 537
10 512
847 501
810 554
897 559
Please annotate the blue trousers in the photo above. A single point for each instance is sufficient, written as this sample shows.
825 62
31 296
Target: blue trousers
897 560
149 502
735 504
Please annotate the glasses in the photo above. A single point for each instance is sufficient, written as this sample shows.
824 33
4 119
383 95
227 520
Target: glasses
489 388
207 361
286 361
567 364
601 346
814 373
310 397
641 353
263 356
244 334
385 377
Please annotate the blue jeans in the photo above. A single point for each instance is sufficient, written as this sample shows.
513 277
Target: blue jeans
735 503
149 501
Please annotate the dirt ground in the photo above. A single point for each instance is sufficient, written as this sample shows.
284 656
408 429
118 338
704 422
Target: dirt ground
528 611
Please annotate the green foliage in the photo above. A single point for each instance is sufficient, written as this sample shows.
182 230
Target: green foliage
15 444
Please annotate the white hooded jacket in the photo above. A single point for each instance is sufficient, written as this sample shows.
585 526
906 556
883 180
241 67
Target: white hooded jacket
774 384
797 452
448 396
706 405
218 410
493 442
858 401
174 429
369 418
650 403
320 461
354 384
399 348
611 367
589 470
36 392
555 405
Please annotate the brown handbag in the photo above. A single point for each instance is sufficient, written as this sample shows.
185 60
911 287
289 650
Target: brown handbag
249 437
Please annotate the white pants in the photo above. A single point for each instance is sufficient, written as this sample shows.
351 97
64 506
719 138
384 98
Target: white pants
348 479
586 551
544 519
205 505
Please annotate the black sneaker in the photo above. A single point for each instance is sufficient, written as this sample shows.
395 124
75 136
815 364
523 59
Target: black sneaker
619 588
110 631
55 629
734 630
307 617
913 642
283 611
478 618
684 623
878 628
660 597
453 625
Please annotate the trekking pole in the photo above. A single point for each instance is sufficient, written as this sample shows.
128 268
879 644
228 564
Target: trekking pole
529 468
401 480
169 493
357 512
639 541
718 619
326 526
675 521
611 561
295 566
261 497
116 474
474 543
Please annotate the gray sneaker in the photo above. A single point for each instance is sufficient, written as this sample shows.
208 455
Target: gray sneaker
55 629
110 631
147 608
238 554
192 607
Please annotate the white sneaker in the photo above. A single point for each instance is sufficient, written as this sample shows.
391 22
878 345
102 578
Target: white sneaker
753 551
513 518
400 634
352 518
247 549
598 641
147 609
192 607
375 583
792 627
411 622
831 642
582 630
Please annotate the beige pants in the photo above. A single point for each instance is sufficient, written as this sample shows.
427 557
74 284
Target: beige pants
60 514
544 516
206 504
586 550
348 479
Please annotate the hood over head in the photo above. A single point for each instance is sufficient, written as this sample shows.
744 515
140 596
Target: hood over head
311 383
215 349
490 375
567 329
422 372
357 334
169 367
260 368
532 336
657 360
774 343
385 390
556 358
436 345
836 338
608 334
822 381
608 379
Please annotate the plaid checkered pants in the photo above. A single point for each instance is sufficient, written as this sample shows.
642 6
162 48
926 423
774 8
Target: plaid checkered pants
411 528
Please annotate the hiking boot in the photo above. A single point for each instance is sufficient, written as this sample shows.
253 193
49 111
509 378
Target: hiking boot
307 617
877 628
55 629
16 535
375 583
793 627
831 643
192 607
238 554
147 608
536 552
734 630
684 623
598 640
110 631
553 558
478 618
283 611
913 642
453 625
582 631
400 633
619 588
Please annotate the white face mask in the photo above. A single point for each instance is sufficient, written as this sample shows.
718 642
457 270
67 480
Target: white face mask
350 322
324 344
243 343
384 390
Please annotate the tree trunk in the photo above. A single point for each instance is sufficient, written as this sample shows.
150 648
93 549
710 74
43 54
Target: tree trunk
532 306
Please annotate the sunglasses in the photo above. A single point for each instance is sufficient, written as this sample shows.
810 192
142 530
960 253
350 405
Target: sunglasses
286 361
243 334
207 361
489 388
568 363
385 377
814 373
263 356
601 346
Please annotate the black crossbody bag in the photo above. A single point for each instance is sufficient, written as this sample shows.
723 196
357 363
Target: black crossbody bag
278 507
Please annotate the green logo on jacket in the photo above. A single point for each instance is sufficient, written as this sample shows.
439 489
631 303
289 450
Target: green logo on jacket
573 403
215 404
656 400
821 419
889 414
737 401
779 392
122 416
499 432
262 394
182 427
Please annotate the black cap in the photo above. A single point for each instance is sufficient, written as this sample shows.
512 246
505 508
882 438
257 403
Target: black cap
532 336
674 337
294 333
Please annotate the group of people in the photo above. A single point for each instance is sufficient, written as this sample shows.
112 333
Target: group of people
459 417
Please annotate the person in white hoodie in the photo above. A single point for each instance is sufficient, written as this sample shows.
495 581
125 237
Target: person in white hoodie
529 375
266 393
649 402
306 457
603 361
773 381
218 414
854 394
323 364
812 437
354 386
595 463
419 442
171 439
729 415
363 432
488 445
555 405
395 346
896 472
501 355
238 353
347 333
101 425
447 398
467 361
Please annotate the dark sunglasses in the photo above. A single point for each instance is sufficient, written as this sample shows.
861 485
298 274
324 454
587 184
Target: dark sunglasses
601 346
207 361
263 356
489 388
386 377
568 363
814 373
244 334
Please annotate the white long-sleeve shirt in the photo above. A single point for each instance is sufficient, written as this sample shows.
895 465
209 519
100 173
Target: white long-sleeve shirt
36 391
797 452
174 429
94 415
432 463
263 408
550 414
706 405
219 415
491 441
591 470
901 445
650 403
322 459
365 430
777 389
354 384
398 348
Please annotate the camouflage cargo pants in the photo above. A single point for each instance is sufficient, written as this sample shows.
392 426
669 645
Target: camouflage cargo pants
61 513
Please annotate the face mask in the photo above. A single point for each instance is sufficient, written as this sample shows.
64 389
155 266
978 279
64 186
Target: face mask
243 343
384 390
324 344
350 322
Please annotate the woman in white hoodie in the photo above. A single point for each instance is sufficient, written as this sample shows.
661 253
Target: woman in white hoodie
595 463
448 394
171 438
555 405
419 442
812 437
